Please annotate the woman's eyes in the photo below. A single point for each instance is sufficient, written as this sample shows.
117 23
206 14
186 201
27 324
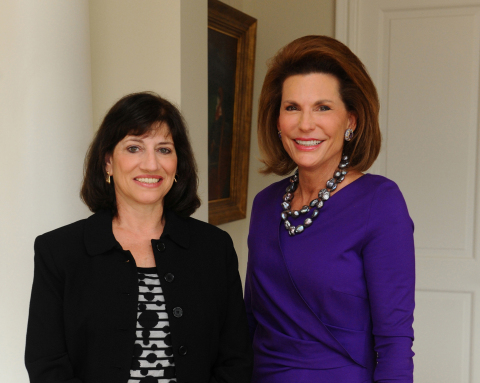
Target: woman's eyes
133 149
136 149
322 108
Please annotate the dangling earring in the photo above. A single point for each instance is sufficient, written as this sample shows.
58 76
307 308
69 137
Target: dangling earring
108 179
280 134
348 134
175 178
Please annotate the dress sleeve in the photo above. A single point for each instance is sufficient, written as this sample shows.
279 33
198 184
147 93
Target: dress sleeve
389 262
235 356
46 356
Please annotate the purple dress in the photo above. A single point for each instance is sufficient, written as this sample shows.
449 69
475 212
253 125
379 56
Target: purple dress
335 303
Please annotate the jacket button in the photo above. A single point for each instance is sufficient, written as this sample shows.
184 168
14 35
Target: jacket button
182 350
169 277
177 312
160 246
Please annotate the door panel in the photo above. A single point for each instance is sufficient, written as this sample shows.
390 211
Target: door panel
423 56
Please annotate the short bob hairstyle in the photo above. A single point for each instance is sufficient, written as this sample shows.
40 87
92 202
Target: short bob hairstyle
319 54
137 114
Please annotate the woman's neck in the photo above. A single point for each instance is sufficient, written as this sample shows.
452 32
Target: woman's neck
145 220
311 181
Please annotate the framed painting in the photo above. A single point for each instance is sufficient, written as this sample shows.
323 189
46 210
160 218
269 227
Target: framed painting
231 60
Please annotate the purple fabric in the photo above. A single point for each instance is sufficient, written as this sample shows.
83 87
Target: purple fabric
335 303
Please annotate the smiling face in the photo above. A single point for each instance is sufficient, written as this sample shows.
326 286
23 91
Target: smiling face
313 120
143 167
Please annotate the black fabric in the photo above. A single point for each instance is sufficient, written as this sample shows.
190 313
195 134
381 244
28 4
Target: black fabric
83 307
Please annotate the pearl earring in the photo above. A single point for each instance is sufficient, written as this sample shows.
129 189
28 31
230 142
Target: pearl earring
348 134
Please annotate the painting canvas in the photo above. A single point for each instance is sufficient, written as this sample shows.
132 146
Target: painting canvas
222 60
231 58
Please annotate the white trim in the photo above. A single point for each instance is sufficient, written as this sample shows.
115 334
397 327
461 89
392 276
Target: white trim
346 22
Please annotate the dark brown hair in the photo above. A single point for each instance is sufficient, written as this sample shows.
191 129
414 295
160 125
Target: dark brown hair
319 54
137 114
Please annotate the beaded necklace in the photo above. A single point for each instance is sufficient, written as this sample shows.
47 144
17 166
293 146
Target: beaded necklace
315 204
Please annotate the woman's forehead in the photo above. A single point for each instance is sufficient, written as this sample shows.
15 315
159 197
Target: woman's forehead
156 129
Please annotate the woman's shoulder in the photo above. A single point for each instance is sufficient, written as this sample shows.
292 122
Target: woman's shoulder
62 247
210 244
92 235
64 233
193 229
376 180
273 190
202 227
386 199
381 187
371 188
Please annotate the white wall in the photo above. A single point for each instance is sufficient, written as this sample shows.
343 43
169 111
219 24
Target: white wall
154 45
135 47
194 88
45 125
279 22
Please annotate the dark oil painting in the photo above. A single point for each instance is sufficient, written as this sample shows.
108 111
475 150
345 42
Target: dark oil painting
222 59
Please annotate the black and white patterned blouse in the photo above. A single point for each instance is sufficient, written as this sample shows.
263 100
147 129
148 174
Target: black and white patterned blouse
152 360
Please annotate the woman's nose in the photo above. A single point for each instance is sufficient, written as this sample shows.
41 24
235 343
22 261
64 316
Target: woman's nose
306 121
149 160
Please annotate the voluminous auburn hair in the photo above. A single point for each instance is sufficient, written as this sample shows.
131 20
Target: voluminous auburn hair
319 54
137 114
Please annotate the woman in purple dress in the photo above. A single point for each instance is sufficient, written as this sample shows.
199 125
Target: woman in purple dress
331 270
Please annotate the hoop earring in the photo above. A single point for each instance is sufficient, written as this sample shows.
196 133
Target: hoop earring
109 177
348 134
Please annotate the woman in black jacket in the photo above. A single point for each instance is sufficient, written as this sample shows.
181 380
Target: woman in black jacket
139 292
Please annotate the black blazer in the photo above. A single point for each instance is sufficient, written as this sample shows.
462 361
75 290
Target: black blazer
83 309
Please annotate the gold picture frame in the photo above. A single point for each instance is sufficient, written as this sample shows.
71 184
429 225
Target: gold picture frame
231 55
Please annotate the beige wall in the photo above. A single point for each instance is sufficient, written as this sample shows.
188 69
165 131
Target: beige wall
131 51
154 45
279 22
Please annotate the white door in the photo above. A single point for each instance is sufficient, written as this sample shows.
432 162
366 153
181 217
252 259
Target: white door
423 56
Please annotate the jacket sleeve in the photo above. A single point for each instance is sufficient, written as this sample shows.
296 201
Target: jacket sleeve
235 356
389 262
252 322
46 356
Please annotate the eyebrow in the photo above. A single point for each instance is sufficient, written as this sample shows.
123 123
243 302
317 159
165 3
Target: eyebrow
316 102
158 143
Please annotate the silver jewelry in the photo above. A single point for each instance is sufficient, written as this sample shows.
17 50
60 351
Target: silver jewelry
315 204
348 134
280 134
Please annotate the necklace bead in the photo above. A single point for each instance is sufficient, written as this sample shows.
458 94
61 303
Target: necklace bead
315 204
